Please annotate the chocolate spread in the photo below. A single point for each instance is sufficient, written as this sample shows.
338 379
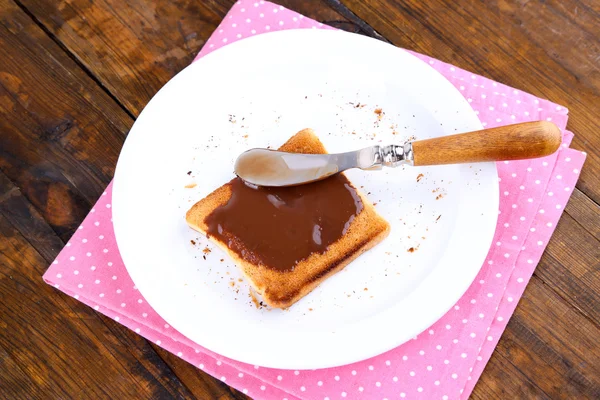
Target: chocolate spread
277 227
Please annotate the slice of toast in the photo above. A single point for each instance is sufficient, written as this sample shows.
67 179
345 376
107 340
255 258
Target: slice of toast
281 289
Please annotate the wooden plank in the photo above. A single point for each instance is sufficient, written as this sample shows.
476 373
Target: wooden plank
61 133
58 334
583 210
14 377
571 267
548 350
28 222
133 48
576 248
535 46
60 352
553 344
503 380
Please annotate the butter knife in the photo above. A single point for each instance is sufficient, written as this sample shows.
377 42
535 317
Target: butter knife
264 167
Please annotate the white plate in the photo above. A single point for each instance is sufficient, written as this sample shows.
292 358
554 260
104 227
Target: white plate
256 93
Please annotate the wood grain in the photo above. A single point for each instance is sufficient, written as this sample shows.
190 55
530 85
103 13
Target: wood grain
61 134
132 48
510 142
540 339
583 210
73 76
508 382
571 266
58 343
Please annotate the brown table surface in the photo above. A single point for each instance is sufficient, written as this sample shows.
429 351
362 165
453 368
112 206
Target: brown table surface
75 74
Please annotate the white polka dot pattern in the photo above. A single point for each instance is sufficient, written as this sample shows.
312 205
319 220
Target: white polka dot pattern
443 362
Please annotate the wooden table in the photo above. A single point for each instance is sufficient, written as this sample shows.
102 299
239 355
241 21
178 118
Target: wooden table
75 74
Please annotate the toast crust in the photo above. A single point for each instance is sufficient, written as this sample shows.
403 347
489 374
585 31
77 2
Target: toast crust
281 289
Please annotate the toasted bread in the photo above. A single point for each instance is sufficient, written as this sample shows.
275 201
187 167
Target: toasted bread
281 289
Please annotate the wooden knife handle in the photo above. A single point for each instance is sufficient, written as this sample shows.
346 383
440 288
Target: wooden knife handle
511 142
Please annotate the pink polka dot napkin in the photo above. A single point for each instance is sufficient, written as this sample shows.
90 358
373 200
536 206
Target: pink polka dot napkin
443 362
